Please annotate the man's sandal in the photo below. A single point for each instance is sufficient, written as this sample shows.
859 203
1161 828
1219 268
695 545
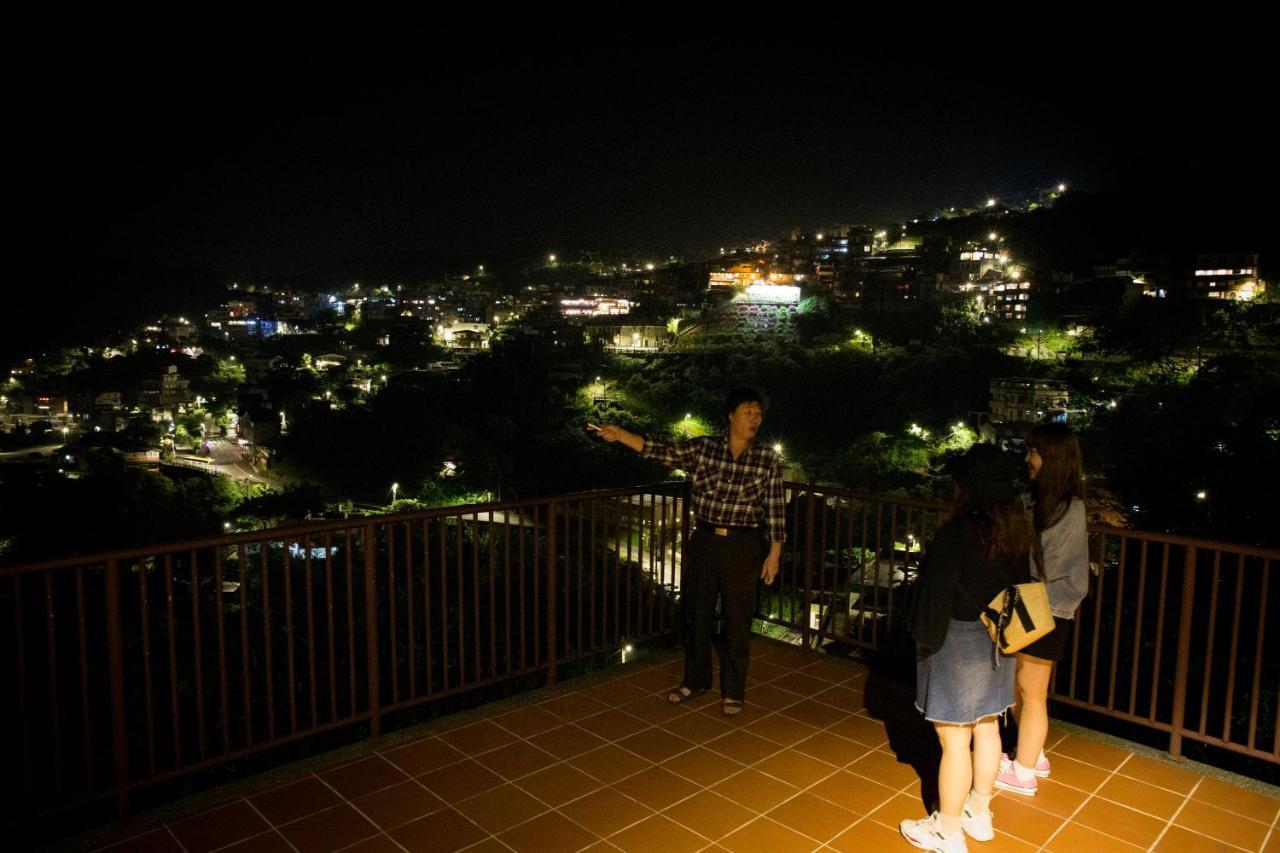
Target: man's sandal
682 694
731 707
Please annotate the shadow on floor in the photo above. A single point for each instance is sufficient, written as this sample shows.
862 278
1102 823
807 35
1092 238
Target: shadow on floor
890 698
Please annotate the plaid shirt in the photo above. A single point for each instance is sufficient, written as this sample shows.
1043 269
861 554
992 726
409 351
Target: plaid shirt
746 492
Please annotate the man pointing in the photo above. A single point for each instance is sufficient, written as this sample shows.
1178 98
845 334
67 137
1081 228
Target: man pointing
739 502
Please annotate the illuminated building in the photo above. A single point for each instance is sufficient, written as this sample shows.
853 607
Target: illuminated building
754 282
595 306
1007 300
1028 400
976 261
633 338
464 335
1017 403
1226 276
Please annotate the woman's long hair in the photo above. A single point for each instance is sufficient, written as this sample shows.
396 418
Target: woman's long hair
1061 475
1007 532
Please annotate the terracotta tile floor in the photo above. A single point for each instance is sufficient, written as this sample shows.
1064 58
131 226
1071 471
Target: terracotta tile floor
824 757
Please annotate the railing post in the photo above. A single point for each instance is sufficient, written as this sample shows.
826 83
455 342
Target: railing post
371 629
684 503
115 667
1184 653
807 600
551 594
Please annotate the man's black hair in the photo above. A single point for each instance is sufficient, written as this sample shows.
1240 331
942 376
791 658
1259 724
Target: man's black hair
738 396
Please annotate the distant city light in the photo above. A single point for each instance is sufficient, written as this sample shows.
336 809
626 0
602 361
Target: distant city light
648 267
1201 495
991 202
819 236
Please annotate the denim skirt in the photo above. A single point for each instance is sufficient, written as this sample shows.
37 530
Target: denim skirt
961 683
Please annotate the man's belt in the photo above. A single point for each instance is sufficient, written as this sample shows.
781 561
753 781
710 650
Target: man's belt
724 529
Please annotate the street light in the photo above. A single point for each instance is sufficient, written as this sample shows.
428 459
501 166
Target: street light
395 489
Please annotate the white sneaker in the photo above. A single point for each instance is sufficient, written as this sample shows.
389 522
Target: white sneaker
977 826
927 835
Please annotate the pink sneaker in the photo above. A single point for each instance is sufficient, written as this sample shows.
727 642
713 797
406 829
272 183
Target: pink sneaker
1041 769
1008 780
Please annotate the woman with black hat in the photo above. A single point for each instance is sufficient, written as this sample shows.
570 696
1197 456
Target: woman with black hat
962 683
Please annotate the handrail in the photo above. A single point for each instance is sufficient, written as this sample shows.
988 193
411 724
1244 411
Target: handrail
307 528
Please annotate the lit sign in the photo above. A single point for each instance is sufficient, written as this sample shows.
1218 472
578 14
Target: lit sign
781 294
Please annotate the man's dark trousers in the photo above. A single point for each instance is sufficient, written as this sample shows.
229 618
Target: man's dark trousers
724 567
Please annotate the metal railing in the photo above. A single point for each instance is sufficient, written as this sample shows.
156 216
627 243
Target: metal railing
140 667
846 564
1173 637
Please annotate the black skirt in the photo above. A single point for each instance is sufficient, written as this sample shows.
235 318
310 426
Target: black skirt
1053 645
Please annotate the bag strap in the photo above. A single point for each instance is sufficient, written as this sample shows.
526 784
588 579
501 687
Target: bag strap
1012 602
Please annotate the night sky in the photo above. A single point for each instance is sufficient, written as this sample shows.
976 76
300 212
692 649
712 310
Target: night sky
225 151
